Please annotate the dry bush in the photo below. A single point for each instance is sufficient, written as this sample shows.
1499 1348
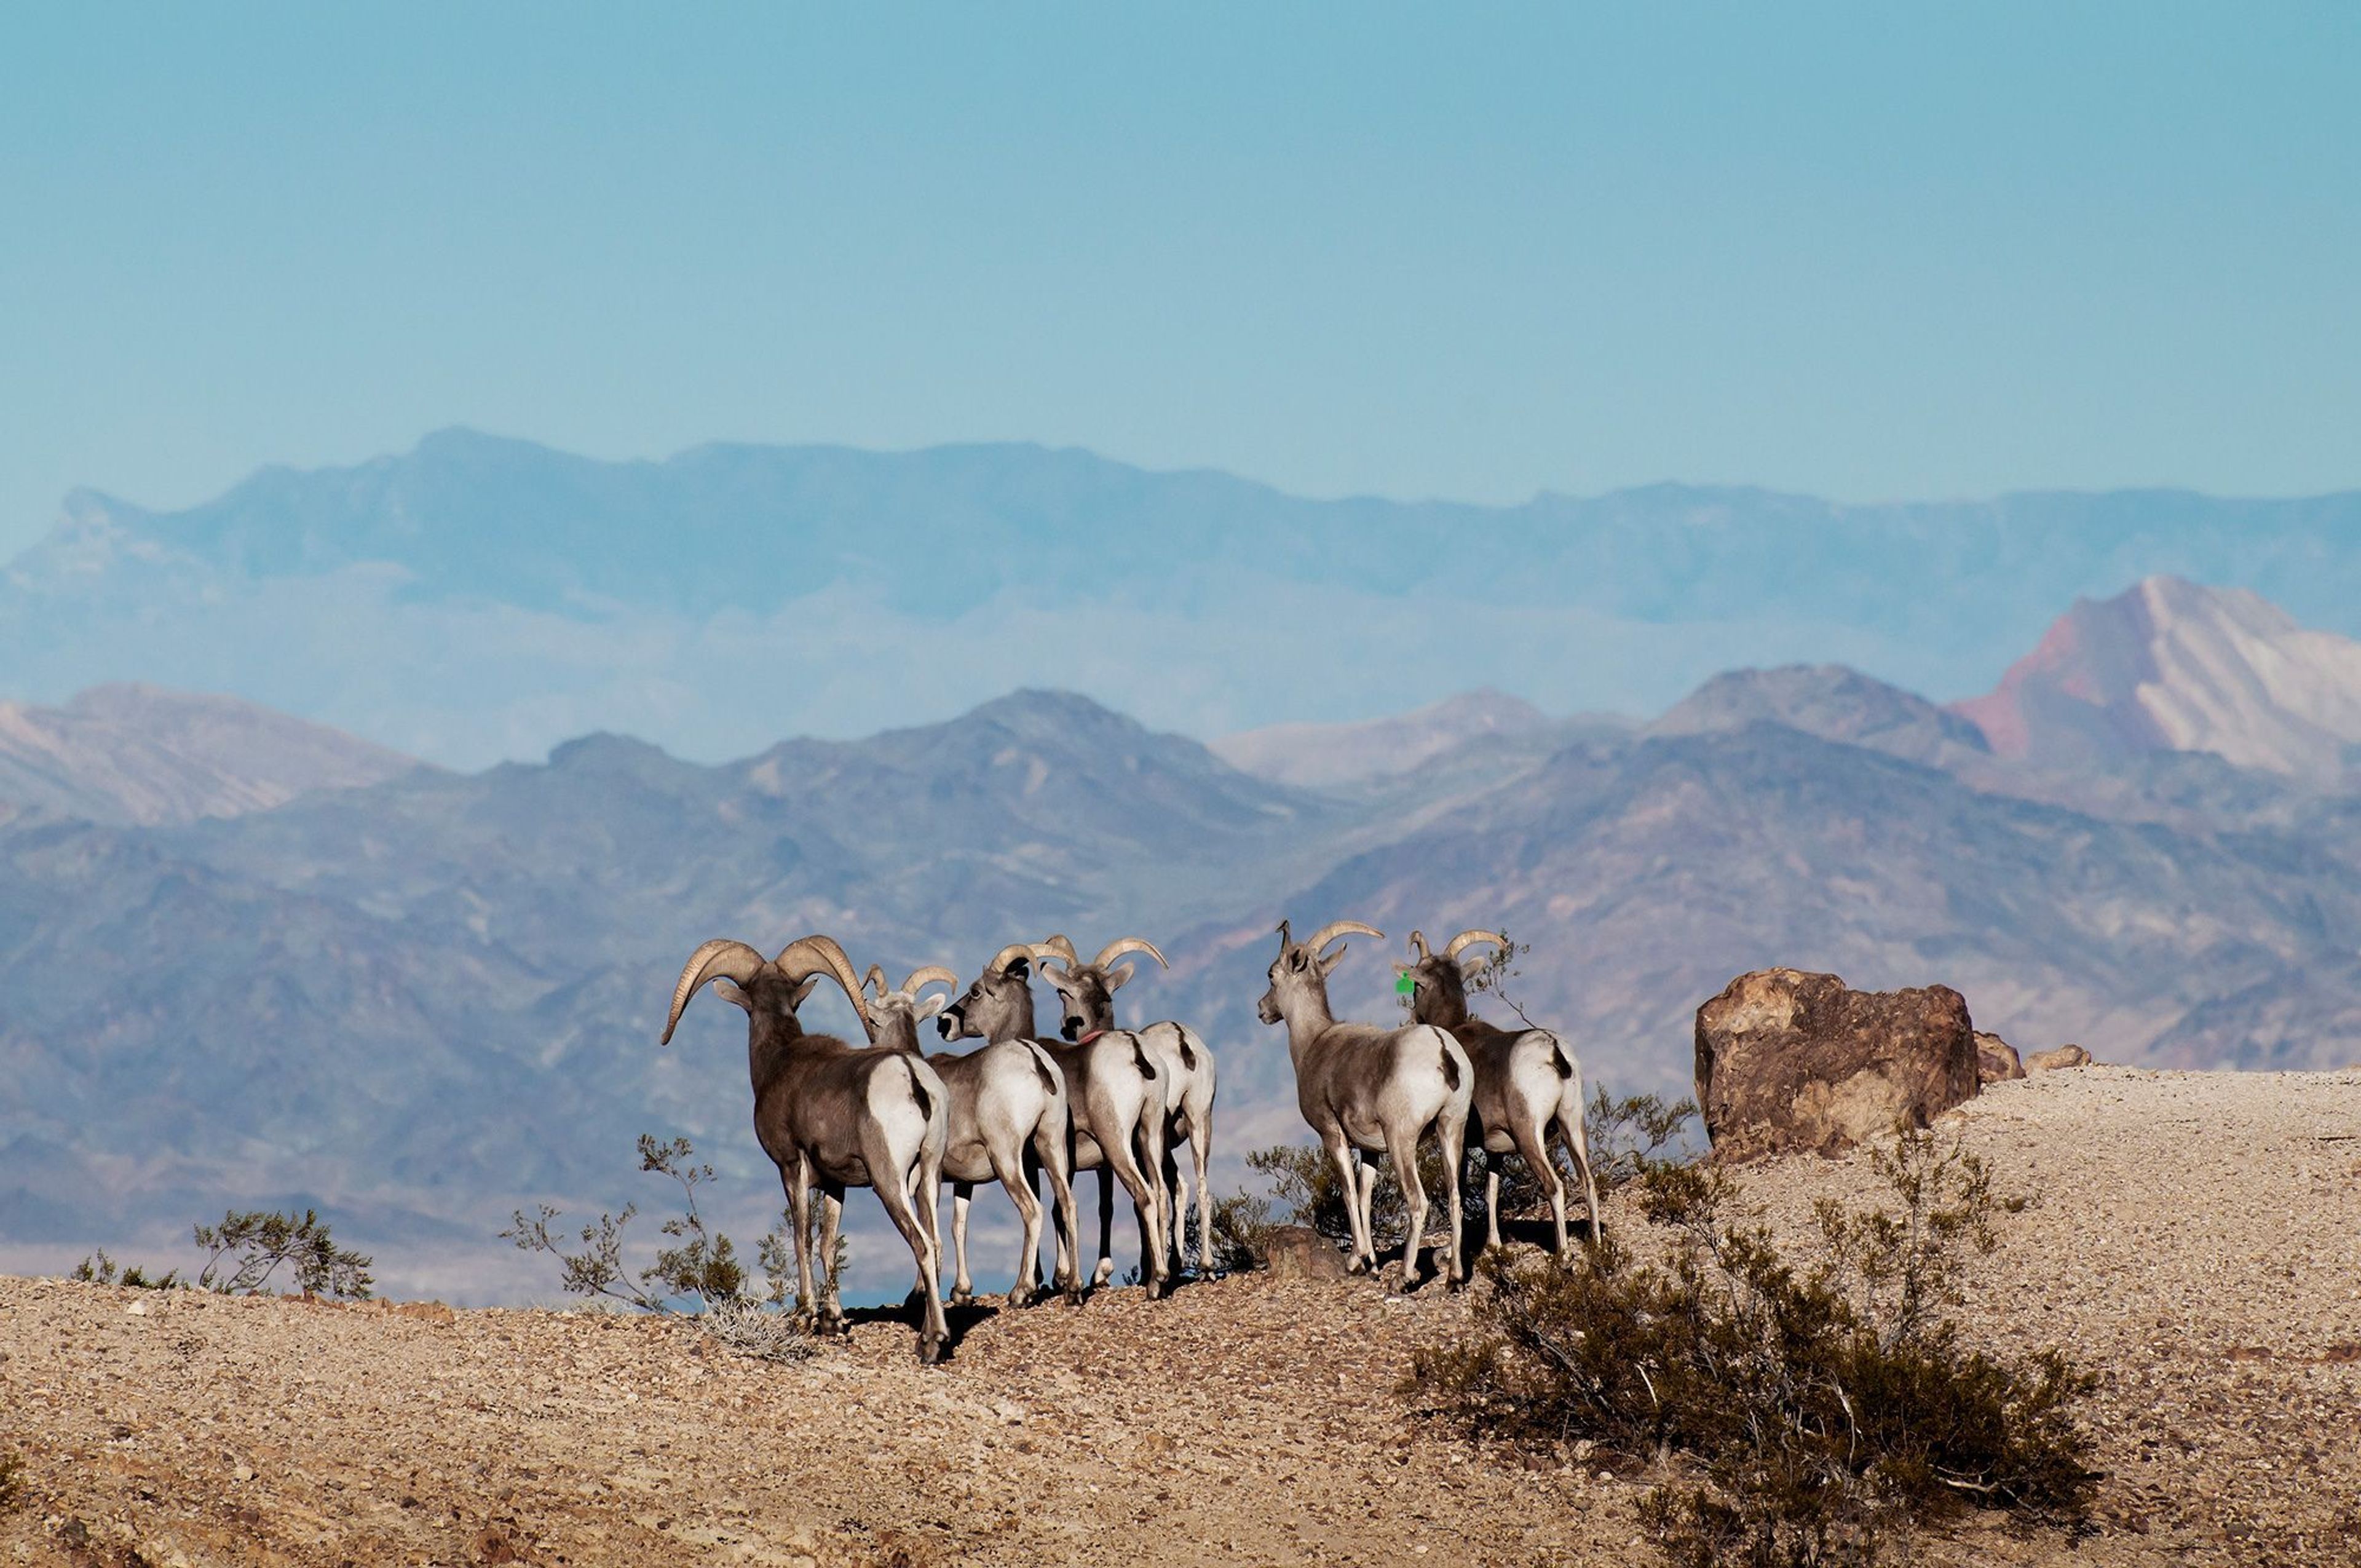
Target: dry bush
1829 1409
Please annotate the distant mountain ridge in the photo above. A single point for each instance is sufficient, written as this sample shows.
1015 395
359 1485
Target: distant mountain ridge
479 598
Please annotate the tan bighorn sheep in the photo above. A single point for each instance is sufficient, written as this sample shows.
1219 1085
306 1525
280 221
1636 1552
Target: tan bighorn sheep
1087 991
1363 1086
830 1114
1111 1087
1008 1118
1527 1080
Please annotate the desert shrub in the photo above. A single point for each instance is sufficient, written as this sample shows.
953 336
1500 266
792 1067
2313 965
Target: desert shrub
100 1269
1828 1408
247 1249
1242 1224
701 1270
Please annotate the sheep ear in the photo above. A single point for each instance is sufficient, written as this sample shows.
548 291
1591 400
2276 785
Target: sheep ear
1470 967
1328 965
1116 976
1060 980
730 992
801 992
934 1004
1404 969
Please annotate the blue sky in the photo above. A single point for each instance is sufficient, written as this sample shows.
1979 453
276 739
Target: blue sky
1868 251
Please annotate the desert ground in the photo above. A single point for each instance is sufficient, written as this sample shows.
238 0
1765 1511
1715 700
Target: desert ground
2196 1240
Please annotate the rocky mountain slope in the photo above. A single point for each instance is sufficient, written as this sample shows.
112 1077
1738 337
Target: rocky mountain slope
2170 667
2204 1278
146 754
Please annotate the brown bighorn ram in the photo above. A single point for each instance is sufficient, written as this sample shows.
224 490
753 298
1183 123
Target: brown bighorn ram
1008 1118
1111 1087
830 1114
1527 1080
1087 991
1363 1086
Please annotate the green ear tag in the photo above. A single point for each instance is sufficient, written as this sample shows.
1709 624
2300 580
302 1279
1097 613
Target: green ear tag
1405 984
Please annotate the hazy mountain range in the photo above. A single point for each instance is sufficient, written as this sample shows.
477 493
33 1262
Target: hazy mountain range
479 598
308 972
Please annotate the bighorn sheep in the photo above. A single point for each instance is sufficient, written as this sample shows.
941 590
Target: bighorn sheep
1111 1089
1527 1080
830 1115
1087 991
1008 1116
1362 1086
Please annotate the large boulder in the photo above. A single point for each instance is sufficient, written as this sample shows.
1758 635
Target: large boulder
1788 1062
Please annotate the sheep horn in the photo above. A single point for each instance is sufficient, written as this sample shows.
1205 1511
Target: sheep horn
1418 941
1123 945
875 980
1009 955
718 957
808 956
1061 945
1285 940
1461 943
930 975
1335 929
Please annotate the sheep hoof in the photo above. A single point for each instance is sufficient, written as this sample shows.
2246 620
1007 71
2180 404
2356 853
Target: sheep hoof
930 1350
962 1297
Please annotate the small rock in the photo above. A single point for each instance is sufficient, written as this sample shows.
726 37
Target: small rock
1299 1251
2063 1057
1996 1061
243 1474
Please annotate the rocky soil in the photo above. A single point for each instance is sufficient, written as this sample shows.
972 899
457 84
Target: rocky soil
2197 1241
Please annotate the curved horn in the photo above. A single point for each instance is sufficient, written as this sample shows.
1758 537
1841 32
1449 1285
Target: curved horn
1466 939
1009 955
1123 945
1285 940
933 974
1418 941
718 957
1335 929
808 956
875 981
1061 945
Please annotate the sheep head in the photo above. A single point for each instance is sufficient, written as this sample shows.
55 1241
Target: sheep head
1299 976
1087 990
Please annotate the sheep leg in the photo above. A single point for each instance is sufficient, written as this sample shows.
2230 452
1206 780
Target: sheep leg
1105 1269
1009 1168
832 1214
1200 1138
1365 1195
1401 1148
1348 1162
962 1287
1452 1132
1123 1160
1491 1199
1531 1136
899 1209
1155 1240
798 1185
1175 1212
1051 1156
1569 1126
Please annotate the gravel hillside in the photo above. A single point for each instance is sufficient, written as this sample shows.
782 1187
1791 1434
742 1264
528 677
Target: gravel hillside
2197 1241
